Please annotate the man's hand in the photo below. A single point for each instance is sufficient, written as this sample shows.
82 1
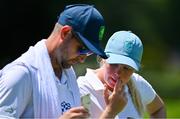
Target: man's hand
76 112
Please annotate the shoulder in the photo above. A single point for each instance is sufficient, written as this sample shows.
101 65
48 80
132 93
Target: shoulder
90 78
16 88
83 80
84 83
15 74
139 80
145 89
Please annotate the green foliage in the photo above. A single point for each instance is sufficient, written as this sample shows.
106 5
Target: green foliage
172 108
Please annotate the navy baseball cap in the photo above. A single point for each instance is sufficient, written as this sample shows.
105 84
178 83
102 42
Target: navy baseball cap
87 23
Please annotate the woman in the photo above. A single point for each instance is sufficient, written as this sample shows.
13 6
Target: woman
124 50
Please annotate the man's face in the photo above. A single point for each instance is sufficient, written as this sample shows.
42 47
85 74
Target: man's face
116 72
74 52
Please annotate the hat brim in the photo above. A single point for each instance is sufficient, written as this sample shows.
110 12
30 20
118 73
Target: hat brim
95 49
121 59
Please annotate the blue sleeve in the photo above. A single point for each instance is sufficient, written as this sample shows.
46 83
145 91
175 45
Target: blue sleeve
15 91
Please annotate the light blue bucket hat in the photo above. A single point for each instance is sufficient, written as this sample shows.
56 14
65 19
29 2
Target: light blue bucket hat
124 47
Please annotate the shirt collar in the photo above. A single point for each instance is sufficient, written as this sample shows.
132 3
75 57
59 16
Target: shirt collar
93 80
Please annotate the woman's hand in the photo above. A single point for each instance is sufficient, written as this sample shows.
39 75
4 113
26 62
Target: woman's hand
115 102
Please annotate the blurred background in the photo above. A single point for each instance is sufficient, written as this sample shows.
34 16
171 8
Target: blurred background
156 22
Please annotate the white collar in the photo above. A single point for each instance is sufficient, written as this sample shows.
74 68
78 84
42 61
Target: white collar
93 80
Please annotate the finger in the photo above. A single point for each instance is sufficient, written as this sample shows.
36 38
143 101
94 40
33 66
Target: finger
106 94
74 115
79 115
118 86
78 109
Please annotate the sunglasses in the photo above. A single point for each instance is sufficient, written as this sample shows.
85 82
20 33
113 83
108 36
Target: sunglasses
83 50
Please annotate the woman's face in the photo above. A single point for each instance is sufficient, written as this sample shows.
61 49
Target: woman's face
116 72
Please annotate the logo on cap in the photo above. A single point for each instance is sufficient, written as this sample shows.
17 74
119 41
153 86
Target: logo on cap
101 32
128 46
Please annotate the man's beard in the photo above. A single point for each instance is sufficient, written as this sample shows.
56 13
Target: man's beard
66 65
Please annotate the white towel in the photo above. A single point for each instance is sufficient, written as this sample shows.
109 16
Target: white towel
45 92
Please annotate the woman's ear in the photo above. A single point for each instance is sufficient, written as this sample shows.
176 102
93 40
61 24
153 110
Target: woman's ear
65 31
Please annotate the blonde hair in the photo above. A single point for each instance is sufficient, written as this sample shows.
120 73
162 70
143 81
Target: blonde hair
100 61
135 96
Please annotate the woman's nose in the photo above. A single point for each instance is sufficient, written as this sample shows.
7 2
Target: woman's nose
118 69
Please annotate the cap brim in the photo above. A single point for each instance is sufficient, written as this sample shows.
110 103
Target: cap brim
121 59
95 49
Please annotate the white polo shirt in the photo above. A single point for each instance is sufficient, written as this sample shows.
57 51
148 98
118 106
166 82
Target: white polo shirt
91 84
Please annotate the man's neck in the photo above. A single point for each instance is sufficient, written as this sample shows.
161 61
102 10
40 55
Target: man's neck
57 68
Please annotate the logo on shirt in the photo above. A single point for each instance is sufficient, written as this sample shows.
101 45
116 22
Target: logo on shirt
65 106
10 110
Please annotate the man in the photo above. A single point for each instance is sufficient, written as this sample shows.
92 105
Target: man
41 83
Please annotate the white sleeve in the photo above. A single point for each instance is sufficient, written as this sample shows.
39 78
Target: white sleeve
146 91
15 91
